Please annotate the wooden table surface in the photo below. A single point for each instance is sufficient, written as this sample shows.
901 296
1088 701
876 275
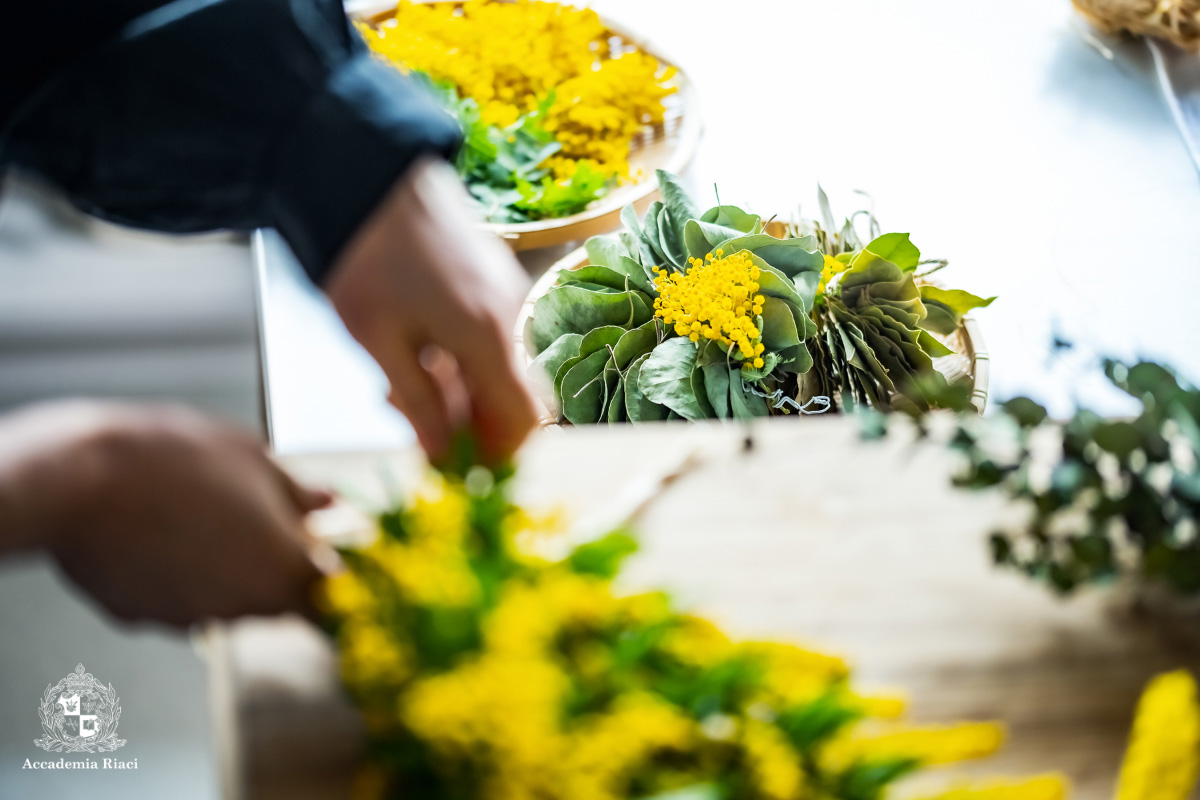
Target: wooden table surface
811 536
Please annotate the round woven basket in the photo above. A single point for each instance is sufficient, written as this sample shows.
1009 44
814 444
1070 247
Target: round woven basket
970 359
669 145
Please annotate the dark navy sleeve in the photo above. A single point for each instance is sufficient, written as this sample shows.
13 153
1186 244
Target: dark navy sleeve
231 114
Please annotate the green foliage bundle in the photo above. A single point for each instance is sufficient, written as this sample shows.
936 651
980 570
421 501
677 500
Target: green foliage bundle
1106 498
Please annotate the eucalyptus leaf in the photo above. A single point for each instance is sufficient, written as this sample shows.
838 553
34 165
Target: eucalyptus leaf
611 252
716 388
616 403
639 408
790 256
678 203
796 359
742 404
544 368
634 343
572 309
773 283
671 239
559 376
605 250
666 378
644 255
585 389
779 326
701 238
652 235
732 218
597 275
601 339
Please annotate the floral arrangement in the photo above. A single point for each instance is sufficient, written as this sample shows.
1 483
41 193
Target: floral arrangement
485 670
548 98
694 315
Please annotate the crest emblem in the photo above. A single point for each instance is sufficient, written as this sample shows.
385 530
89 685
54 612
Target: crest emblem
79 715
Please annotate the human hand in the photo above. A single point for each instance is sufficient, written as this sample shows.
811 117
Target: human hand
433 299
157 512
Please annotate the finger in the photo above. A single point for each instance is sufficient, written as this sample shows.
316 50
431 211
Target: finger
443 370
305 498
418 397
502 409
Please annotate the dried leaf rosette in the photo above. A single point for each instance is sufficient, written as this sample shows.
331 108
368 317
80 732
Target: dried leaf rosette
487 672
711 315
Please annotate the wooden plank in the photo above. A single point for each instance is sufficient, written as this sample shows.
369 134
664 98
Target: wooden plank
808 535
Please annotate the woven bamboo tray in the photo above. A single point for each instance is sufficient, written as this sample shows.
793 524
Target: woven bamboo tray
670 145
970 358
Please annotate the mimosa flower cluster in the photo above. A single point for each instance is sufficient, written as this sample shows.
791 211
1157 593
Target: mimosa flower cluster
484 671
510 57
716 298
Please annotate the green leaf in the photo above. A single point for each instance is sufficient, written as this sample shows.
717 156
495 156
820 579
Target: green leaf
773 283
651 234
605 250
643 255
811 724
796 359
896 248
752 374
945 308
733 218
563 369
600 339
597 275
609 251
743 404
639 408
678 203
550 198
616 403
1117 437
634 343
702 238
779 326
716 388
790 256
1026 412
572 309
545 367
585 389
666 377
701 393
604 556
671 239
932 346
